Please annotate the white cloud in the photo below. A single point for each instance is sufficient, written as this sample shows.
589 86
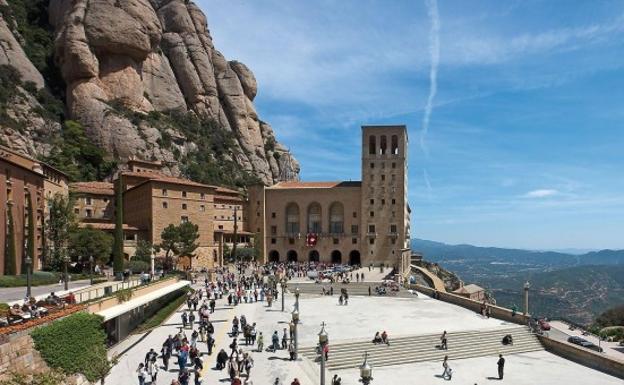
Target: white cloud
541 193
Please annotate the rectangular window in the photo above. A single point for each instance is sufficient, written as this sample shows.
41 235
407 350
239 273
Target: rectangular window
372 214
372 241
354 229
273 241
336 241
272 215
372 165
89 213
89 201
202 196
273 230
383 164
183 206
354 214
372 201
393 229
371 229
76 211
393 165
165 205
183 194
393 201
354 241
164 192
184 219
202 208
291 241
383 201
383 177
220 227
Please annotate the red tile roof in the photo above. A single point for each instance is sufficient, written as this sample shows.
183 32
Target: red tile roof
158 177
98 188
293 185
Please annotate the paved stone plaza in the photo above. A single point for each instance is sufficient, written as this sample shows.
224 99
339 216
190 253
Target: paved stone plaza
356 322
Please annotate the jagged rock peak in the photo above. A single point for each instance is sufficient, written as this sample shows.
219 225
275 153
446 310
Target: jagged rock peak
155 55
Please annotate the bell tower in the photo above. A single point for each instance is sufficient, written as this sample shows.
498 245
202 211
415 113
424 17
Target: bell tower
385 213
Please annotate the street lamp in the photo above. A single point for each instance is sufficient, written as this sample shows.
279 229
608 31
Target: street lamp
152 257
366 372
65 263
91 260
295 321
527 286
28 262
283 286
297 299
323 339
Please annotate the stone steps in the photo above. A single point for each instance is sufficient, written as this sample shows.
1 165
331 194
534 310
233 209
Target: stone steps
411 349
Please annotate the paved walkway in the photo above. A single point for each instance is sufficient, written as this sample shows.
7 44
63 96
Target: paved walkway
561 331
8 294
438 284
360 319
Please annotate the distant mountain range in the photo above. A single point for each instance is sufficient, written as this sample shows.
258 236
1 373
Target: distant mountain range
438 251
563 285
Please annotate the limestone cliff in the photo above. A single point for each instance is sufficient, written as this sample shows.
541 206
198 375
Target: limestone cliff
127 62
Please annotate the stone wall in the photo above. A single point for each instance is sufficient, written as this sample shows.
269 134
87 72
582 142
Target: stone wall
495 311
18 354
584 357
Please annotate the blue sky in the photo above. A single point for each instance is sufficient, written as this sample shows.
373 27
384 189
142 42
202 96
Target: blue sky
525 143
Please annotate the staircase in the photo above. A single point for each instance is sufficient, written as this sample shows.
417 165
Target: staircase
354 288
420 348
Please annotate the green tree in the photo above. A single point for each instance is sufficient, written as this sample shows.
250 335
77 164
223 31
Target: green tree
118 257
143 251
169 240
60 224
10 252
188 236
89 242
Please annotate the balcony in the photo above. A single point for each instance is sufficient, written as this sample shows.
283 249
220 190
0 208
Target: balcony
371 234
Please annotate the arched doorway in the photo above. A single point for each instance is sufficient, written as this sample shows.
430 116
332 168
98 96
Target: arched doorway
273 256
313 256
336 257
292 256
354 258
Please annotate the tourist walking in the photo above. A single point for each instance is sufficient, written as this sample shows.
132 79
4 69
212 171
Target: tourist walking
443 341
501 366
448 372
141 373
260 342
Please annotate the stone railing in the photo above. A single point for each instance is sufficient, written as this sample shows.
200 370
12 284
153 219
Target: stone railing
108 302
583 356
497 312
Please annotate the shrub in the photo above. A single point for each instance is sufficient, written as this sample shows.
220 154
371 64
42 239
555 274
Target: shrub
137 267
123 295
47 378
74 344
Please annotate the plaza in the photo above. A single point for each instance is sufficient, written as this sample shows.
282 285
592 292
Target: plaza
356 323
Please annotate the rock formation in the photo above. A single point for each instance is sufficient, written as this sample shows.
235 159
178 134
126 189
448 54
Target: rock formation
149 55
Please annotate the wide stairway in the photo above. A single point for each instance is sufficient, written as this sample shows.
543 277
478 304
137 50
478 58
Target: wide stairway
353 288
420 348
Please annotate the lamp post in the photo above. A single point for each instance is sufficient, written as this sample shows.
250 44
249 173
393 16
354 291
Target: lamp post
323 339
283 286
91 260
65 263
152 257
297 299
527 286
295 321
28 262
366 372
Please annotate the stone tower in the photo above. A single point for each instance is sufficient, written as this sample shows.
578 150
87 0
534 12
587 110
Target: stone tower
385 213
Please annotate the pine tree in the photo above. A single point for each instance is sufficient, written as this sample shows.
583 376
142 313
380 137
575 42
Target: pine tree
118 259
9 256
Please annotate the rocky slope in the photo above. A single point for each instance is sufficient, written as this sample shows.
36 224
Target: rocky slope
130 69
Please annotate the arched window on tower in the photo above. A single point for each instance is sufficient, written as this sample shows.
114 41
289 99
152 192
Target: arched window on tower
336 218
314 218
383 145
372 145
292 218
395 145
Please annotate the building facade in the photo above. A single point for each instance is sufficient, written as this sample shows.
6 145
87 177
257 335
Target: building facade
341 222
25 181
